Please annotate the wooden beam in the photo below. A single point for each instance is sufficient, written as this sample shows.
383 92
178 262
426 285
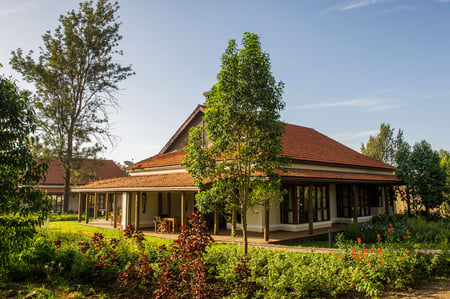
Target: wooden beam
95 205
80 207
310 211
136 211
355 203
183 209
115 210
107 206
88 203
128 209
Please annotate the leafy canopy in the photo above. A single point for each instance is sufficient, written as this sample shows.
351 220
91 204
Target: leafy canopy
384 146
425 179
76 76
237 159
22 205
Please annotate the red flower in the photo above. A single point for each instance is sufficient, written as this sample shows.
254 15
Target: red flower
381 261
389 231
407 251
379 249
407 230
404 237
365 277
359 240
390 225
353 248
378 236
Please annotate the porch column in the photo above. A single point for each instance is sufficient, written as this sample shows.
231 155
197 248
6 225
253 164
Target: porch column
386 200
115 210
266 221
355 203
107 206
310 211
216 220
80 207
88 203
183 209
95 205
136 212
128 222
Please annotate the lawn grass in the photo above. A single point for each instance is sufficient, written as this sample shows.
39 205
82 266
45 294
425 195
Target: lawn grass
61 228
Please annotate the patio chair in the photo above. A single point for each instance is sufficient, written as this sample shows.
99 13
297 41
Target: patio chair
160 226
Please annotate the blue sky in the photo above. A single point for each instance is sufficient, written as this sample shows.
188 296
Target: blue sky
348 66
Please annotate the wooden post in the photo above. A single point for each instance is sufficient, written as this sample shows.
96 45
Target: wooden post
128 209
310 211
88 203
80 207
115 210
183 209
136 212
355 203
216 220
266 222
107 206
95 205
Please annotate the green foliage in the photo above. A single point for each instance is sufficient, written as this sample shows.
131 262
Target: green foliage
75 76
23 207
234 167
445 164
425 178
384 146
407 232
134 264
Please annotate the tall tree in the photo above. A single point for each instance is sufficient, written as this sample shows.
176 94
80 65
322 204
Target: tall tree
384 146
23 207
243 128
425 178
76 78
445 164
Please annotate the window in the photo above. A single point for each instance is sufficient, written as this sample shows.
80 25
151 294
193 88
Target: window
57 203
344 197
294 208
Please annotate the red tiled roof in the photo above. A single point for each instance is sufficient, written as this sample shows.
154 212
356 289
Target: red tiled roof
99 169
169 159
174 180
305 144
337 176
300 144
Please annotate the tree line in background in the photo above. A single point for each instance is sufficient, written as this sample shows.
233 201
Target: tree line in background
76 76
426 172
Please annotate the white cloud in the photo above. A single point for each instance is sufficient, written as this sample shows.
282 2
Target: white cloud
371 104
17 8
439 94
354 139
355 4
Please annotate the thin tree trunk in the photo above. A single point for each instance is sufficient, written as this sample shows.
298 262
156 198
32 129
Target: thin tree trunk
244 226
266 222
66 190
233 223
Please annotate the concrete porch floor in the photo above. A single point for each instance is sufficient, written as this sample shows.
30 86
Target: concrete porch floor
224 236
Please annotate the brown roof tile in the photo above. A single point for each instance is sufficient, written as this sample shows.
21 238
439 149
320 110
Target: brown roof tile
308 145
98 169
176 180
169 159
